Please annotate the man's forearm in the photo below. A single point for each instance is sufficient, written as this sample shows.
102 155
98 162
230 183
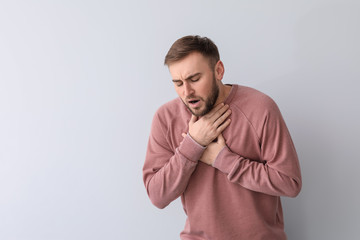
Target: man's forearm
168 182
269 178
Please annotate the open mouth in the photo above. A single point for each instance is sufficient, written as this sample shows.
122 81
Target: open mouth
193 101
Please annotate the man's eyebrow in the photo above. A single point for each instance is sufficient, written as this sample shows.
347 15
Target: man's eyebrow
193 75
188 78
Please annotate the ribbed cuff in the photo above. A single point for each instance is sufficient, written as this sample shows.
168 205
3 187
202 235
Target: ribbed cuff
191 149
224 160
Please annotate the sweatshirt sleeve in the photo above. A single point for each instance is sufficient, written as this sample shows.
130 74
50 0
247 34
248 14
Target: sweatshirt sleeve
277 172
166 172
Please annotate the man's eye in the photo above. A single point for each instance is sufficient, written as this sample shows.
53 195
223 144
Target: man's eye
179 84
195 79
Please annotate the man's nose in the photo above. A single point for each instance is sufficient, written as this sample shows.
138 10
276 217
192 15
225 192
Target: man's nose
188 91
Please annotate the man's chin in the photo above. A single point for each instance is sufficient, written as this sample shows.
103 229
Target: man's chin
195 111
198 112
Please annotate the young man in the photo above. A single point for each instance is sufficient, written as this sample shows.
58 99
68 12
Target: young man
224 149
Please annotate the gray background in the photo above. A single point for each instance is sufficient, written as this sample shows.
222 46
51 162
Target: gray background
81 80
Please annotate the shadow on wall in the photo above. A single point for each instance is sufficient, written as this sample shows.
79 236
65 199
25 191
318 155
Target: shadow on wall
320 103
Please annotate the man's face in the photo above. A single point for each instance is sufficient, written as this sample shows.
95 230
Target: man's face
195 83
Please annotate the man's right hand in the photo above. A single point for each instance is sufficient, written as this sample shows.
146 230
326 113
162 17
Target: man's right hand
209 126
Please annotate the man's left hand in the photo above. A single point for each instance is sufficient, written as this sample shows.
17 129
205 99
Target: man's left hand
213 150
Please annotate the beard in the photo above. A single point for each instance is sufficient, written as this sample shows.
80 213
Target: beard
209 101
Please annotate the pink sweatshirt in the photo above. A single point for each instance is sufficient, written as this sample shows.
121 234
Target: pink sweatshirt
239 196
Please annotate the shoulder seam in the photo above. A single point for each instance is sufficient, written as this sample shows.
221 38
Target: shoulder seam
248 120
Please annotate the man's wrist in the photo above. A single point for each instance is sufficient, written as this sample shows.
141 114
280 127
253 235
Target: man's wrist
201 145
190 149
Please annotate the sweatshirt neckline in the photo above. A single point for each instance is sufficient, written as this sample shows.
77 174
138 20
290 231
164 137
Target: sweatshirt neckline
231 94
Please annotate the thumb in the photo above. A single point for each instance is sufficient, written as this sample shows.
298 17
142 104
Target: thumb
221 139
193 118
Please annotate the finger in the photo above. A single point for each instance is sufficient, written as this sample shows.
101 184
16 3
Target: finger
222 118
183 135
193 119
219 113
214 110
220 139
222 127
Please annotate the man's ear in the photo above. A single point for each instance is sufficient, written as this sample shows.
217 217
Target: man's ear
219 70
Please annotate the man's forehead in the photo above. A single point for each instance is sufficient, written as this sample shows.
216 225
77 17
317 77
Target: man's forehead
190 65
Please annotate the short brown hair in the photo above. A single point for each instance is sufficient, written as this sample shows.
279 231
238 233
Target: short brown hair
189 44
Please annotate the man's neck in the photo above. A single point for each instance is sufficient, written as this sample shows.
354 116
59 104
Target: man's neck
224 91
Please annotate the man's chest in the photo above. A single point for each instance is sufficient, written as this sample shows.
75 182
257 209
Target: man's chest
240 135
